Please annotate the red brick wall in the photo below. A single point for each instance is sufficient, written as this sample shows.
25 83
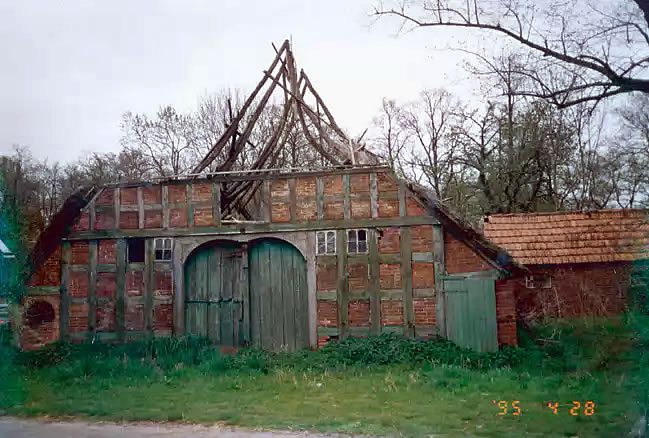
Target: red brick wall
391 313
358 313
424 311
578 289
107 251
33 338
506 311
49 273
459 258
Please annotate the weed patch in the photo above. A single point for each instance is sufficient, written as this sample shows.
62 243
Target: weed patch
385 385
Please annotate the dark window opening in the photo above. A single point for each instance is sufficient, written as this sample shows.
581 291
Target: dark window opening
538 281
38 313
356 241
135 250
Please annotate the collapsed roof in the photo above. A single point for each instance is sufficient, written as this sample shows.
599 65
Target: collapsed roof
320 129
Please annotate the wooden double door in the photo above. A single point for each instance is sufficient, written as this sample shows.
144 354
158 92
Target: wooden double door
256 294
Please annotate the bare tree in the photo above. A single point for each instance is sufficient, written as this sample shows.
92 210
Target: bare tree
574 52
392 138
428 123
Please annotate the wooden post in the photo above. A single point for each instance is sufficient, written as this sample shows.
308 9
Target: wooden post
165 207
120 302
374 285
406 281
216 204
116 204
190 205
92 215
292 198
149 286
374 203
92 288
179 289
64 311
267 203
319 197
342 285
346 201
438 262
402 198
140 208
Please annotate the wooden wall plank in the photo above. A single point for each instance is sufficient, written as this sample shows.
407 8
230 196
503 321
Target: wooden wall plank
276 295
256 292
342 285
406 281
120 302
265 297
289 297
64 312
245 298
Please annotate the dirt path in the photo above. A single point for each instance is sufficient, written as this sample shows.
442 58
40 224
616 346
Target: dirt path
19 428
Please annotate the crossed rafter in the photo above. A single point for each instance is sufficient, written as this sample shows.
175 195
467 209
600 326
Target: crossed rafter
317 124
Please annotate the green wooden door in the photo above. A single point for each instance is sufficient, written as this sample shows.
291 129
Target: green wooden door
215 294
278 296
470 312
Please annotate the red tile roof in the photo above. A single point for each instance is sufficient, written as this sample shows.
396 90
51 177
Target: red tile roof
572 237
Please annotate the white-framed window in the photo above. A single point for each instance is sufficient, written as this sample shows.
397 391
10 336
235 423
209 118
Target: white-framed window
538 281
356 241
325 242
163 247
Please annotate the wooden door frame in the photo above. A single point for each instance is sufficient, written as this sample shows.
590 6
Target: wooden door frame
183 247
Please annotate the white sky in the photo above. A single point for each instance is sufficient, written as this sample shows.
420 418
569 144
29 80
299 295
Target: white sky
69 69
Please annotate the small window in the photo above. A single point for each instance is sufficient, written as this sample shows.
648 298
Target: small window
538 281
356 241
163 249
135 250
326 242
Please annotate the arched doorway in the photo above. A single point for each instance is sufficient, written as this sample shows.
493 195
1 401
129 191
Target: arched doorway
279 317
248 294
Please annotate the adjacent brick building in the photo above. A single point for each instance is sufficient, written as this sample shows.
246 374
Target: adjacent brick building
580 262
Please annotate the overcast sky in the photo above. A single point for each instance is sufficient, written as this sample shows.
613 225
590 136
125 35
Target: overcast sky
71 68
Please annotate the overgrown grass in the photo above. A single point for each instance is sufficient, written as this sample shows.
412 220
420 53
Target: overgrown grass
385 385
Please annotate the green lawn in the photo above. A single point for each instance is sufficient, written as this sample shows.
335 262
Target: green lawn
354 388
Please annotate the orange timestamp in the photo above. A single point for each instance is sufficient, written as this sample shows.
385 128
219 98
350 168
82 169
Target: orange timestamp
575 409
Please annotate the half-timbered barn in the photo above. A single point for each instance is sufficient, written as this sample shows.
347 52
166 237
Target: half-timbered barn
280 259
